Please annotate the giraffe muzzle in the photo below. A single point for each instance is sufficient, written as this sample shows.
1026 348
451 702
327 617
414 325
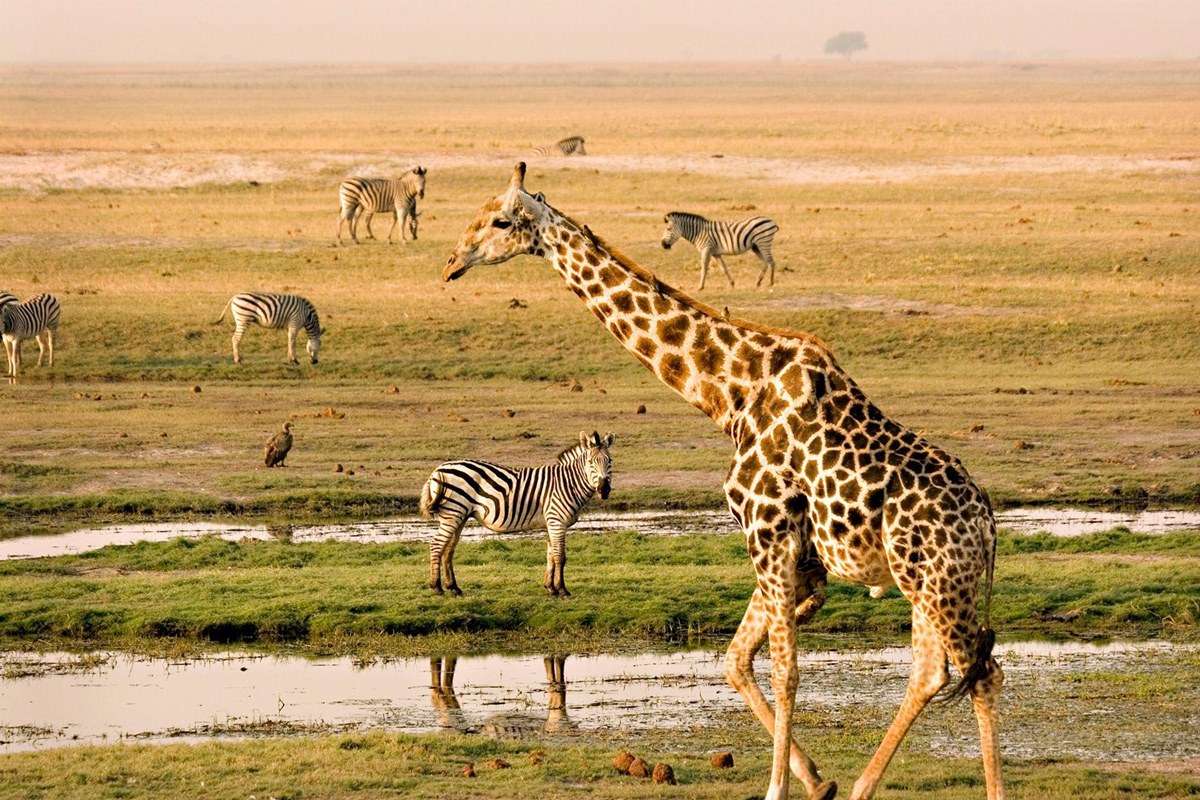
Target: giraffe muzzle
454 270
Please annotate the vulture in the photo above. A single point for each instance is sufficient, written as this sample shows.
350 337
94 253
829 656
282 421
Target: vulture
278 447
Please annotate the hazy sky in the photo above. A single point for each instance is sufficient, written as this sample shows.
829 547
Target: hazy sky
600 30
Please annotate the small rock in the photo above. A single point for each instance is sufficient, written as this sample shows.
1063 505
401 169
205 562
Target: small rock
338 468
722 760
331 413
976 428
196 390
469 771
576 386
124 436
393 389
1021 444
641 409
515 303
622 760
639 768
537 757
349 472
162 436
498 763
664 774
508 412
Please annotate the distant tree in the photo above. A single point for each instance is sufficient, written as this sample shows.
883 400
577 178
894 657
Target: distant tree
846 43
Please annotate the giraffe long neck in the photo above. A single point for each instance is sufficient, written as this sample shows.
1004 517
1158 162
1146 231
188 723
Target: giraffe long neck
696 353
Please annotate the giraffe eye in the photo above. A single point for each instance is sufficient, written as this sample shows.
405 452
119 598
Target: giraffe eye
501 223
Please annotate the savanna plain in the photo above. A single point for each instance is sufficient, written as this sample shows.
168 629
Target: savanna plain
1004 256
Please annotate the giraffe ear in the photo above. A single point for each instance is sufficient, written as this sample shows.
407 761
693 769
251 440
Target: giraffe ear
516 185
534 204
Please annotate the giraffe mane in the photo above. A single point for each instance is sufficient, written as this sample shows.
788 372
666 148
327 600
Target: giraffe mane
687 300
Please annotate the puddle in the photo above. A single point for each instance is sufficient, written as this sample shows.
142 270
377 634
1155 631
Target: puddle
139 170
58 699
1059 522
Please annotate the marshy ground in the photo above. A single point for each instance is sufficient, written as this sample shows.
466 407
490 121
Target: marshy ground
1004 256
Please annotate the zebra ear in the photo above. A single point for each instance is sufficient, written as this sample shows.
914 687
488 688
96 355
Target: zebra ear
595 439
608 440
583 438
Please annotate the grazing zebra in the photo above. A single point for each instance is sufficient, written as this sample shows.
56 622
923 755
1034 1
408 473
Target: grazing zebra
570 146
367 196
36 318
715 239
274 311
508 500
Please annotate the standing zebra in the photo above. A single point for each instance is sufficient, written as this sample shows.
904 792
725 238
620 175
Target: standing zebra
715 239
274 311
508 500
570 146
36 318
367 196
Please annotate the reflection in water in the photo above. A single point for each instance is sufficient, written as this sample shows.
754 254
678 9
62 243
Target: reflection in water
504 725
1062 698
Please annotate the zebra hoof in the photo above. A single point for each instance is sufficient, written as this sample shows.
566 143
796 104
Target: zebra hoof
433 587
457 592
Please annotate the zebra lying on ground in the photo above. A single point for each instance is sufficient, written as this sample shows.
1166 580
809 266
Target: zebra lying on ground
508 500
715 239
36 318
570 146
274 311
365 197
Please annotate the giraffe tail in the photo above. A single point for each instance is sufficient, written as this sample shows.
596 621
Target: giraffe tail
431 496
985 641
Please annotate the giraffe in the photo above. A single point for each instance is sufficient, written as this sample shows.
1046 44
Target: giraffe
822 483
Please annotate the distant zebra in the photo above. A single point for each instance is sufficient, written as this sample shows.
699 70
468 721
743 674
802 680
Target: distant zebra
570 146
716 239
370 196
508 500
36 318
274 311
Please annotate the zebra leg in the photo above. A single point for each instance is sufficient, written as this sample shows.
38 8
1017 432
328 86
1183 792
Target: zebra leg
16 357
8 359
450 523
558 544
395 224
50 332
367 220
450 580
41 348
237 338
725 269
291 339
768 264
704 257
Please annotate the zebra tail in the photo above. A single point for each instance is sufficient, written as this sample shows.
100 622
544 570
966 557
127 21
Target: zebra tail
431 496
218 320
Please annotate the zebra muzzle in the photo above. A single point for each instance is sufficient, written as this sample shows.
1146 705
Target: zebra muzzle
605 488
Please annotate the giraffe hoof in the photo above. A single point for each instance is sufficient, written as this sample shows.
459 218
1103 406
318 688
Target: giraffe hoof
824 791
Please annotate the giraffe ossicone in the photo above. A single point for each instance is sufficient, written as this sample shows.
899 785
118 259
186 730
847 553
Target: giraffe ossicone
822 482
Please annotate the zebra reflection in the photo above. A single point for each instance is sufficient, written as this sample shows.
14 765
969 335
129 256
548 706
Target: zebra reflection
505 725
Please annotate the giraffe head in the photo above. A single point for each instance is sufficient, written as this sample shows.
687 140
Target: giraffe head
597 461
506 226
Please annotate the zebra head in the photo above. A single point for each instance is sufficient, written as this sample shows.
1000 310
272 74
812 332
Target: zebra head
419 172
597 461
314 342
673 231
506 226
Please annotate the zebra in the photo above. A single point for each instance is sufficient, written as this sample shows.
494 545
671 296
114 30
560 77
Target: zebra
570 146
507 500
367 196
715 239
274 311
36 318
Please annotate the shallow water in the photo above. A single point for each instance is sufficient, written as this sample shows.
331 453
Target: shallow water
52 700
1059 522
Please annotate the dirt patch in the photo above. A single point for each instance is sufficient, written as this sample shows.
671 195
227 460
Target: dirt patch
43 171
880 304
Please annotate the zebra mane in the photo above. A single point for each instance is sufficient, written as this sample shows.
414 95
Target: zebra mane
676 294
567 452
687 215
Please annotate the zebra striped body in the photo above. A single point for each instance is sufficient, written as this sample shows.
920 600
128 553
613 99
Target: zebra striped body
36 318
365 197
508 500
277 311
571 146
716 239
